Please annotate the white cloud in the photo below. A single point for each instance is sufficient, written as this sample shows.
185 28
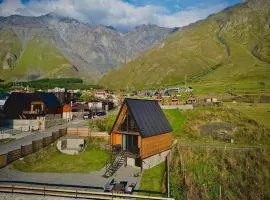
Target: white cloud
110 12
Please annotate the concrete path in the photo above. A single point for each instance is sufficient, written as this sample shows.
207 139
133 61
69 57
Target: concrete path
93 179
25 138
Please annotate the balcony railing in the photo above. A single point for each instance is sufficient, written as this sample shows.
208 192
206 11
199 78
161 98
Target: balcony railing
117 148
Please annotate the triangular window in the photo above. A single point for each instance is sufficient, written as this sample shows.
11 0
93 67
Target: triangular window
128 124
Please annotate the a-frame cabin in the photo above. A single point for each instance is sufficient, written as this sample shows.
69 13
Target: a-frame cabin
143 132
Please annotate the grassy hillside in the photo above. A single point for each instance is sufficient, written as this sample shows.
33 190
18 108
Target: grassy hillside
206 165
227 51
206 173
39 58
9 43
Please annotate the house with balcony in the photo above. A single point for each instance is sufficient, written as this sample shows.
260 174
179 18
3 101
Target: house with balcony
141 134
32 111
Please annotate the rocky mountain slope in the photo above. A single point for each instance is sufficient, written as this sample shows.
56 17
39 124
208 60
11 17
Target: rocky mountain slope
54 46
229 50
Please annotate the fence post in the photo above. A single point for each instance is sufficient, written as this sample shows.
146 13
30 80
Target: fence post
12 188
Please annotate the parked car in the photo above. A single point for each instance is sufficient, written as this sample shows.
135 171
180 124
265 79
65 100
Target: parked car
101 113
87 116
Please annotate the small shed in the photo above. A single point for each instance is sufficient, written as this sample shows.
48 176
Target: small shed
142 130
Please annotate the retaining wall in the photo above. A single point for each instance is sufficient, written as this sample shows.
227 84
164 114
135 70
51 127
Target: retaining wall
26 124
154 160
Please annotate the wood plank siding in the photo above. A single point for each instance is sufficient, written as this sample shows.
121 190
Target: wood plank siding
156 144
142 128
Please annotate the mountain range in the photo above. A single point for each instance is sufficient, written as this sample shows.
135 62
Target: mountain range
229 50
55 46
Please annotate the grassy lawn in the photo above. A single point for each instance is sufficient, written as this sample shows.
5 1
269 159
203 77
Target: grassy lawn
51 160
152 179
7 140
259 112
176 120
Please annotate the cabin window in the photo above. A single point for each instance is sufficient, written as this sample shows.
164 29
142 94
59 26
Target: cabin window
128 124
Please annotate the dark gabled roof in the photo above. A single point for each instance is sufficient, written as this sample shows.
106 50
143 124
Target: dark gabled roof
18 102
149 117
4 95
49 99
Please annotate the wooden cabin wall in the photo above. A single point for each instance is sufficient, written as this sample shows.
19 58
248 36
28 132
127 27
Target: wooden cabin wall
120 117
116 138
155 144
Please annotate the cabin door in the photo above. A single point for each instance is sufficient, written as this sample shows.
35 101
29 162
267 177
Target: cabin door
124 142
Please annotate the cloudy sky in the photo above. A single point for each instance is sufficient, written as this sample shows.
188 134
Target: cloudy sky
120 13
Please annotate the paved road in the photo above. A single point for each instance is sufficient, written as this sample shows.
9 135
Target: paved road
27 137
94 179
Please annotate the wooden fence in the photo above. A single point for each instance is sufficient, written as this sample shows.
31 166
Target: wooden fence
25 150
87 132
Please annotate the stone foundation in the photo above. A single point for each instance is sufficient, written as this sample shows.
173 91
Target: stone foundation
154 160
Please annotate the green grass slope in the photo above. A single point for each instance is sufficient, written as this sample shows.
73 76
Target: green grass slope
40 58
9 43
227 51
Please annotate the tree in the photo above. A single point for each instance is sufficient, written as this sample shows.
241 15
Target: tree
87 96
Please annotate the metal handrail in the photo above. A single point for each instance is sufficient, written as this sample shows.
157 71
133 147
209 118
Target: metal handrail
61 192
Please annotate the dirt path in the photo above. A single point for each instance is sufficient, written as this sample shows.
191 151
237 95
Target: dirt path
223 146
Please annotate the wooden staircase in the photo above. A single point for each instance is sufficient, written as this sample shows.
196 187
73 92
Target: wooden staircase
115 164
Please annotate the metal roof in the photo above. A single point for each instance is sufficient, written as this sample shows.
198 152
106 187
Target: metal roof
149 117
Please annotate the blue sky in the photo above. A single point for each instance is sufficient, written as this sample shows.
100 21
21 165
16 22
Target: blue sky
122 14
176 5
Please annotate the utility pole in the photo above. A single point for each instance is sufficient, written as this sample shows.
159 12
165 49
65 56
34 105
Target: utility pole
168 177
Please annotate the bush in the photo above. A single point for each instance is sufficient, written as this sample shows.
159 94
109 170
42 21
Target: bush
103 124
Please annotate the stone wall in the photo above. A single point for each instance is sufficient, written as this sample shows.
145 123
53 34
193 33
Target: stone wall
154 160
26 124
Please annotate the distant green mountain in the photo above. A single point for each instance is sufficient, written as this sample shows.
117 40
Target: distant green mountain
227 51
38 58
55 46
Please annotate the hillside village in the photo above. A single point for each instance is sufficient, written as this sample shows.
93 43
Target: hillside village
89 110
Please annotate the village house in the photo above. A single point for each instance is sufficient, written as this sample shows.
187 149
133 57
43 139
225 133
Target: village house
142 131
28 111
3 98
159 98
29 105
174 100
191 100
67 112
102 94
